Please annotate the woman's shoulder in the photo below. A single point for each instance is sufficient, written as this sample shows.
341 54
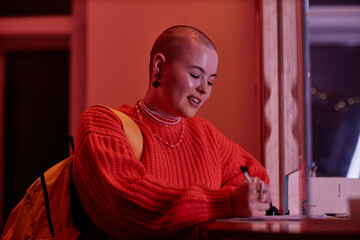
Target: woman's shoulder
99 118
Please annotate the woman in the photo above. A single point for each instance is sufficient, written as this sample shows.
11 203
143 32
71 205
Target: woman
189 172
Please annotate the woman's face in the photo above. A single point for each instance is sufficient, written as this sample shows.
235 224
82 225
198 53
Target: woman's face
187 80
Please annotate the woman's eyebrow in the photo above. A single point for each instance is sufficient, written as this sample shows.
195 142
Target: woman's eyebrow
202 70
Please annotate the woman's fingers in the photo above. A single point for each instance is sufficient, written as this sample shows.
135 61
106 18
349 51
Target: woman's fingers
259 184
257 205
258 209
263 191
248 199
261 206
266 197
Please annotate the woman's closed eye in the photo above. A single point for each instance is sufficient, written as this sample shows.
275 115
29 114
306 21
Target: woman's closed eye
197 77
194 75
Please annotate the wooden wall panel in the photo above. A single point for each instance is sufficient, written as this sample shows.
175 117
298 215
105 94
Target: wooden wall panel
271 96
289 87
281 77
36 25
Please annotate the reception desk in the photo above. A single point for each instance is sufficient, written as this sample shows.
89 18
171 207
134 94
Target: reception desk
327 229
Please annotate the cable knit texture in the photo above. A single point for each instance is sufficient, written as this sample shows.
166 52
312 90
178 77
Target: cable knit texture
171 190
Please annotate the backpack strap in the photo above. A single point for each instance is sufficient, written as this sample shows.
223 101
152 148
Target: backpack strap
47 205
131 130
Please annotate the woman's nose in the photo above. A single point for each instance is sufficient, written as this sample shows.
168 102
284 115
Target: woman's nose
203 87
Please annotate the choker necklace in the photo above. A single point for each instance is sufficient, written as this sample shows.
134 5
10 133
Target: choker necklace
142 105
161 118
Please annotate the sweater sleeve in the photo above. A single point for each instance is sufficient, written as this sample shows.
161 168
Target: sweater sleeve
121 198
233 157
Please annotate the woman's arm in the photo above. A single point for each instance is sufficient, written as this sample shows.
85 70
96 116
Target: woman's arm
247 198
232 158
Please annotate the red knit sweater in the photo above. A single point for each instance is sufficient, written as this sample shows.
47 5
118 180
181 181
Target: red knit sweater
170 190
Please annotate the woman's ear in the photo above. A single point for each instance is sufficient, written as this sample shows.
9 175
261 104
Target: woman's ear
158 63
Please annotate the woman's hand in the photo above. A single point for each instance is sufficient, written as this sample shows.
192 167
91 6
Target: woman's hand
250 199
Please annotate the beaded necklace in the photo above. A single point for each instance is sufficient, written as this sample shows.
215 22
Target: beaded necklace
157 117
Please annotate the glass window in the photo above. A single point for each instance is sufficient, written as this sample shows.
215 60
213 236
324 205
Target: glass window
334 34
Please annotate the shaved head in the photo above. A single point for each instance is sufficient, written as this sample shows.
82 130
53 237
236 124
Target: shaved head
174 40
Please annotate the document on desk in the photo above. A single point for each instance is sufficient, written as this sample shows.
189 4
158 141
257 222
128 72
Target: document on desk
263 218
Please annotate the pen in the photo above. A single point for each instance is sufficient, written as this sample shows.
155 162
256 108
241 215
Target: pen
245 170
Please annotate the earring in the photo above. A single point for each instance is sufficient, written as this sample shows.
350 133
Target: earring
156 83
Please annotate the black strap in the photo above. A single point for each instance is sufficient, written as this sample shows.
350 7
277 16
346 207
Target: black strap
71 140
47 205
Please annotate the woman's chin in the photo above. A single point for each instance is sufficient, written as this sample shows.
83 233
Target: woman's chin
189 114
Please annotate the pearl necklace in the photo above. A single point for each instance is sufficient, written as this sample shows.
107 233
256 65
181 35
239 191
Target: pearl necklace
153 116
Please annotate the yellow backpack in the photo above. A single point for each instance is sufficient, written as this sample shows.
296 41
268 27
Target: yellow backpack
45 211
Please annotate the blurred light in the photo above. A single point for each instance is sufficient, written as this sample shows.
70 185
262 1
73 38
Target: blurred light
313 91
323 96
351 101
341 104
